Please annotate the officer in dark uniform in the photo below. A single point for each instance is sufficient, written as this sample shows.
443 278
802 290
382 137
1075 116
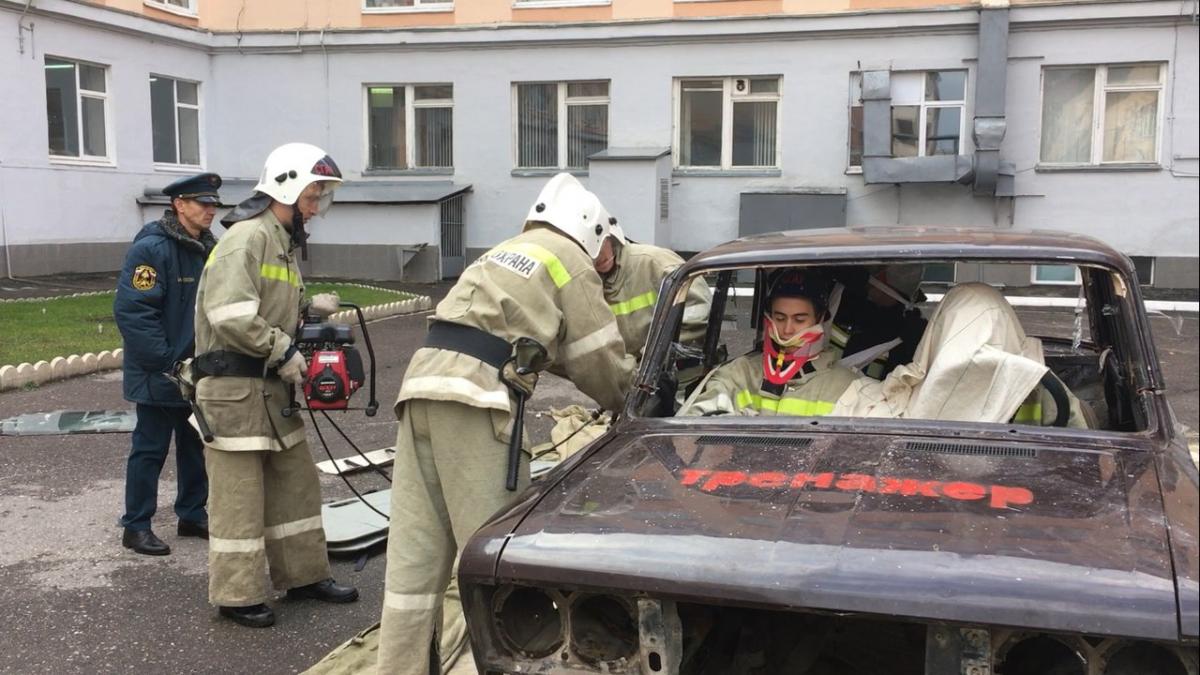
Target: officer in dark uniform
154 309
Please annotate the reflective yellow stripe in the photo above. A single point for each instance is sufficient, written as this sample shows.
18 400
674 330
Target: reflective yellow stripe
553 265
279 273
787 406
634 304
1028 413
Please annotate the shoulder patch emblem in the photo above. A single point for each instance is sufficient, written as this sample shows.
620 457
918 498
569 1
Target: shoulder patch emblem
514 261
144 277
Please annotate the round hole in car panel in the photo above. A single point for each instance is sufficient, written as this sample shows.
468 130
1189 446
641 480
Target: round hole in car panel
603 629
528 621
1040 654
1136 658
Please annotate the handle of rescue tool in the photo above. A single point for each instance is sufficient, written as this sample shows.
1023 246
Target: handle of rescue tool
529 357
205 432
373 403
176 377
514 444
293 405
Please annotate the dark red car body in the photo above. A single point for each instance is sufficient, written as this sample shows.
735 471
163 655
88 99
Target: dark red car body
973 538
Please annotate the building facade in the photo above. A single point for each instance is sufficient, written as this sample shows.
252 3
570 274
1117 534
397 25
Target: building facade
696 121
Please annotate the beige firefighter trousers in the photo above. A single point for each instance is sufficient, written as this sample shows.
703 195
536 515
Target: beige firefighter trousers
264 507
447 479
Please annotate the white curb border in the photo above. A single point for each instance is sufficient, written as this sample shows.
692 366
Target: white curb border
60 368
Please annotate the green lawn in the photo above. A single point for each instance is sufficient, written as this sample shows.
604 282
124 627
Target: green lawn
40 330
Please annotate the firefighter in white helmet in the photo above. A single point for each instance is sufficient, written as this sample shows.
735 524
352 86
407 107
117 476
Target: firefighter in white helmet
264 497
455 410
632 274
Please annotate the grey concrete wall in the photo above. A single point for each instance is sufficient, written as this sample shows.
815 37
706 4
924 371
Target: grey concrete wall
1176 272
31 260
633 186
354 261
253 101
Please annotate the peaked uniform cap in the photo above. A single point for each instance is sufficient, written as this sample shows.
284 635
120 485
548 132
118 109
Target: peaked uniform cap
201 187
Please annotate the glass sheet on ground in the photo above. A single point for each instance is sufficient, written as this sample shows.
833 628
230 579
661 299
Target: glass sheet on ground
62 422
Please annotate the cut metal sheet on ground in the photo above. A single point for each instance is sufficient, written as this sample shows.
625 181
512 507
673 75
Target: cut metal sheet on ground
381 457
350 525
69 422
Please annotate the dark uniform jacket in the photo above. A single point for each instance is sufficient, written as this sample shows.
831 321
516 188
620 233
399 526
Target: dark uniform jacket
155 306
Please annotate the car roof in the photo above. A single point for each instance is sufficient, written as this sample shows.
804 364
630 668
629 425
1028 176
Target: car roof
862 244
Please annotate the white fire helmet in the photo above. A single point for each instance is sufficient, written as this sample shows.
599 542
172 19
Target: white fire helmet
292 167
565 204
614 228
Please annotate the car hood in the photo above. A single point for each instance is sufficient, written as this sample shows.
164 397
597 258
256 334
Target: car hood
1010 534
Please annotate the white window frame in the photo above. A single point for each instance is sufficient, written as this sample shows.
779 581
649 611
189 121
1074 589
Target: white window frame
192 10
561 112
1099 109
856 102
199 125
418 6
727 101
110 146
1033 275
410 124
547 4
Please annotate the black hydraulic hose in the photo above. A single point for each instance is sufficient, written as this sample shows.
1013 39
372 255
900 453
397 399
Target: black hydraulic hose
372 404
346 438
345 480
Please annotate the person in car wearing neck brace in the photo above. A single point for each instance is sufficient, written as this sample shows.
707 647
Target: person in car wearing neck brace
791 375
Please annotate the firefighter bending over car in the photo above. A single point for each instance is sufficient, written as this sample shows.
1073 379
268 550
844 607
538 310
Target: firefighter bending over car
632 274
791 375
537 291
264 498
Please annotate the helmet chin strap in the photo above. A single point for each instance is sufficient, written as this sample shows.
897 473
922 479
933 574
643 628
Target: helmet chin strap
299 236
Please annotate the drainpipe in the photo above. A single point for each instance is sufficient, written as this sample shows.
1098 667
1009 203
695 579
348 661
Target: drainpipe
8 270
990 81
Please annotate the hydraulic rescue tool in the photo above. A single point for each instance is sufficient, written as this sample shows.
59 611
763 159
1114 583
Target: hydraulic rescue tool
335 368
335 372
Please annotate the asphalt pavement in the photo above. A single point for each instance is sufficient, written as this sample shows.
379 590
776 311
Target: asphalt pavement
75 601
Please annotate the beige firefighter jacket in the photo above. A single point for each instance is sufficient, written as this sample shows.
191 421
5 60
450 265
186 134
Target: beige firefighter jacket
736 388
539 284
631 290
249 302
